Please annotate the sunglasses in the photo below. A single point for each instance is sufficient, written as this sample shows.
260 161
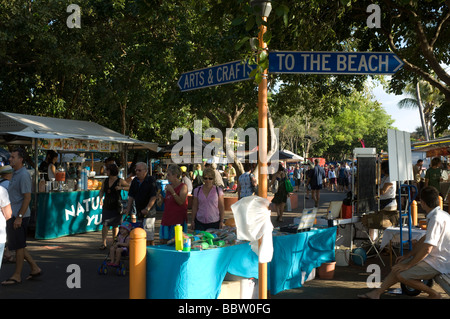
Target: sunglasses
208 178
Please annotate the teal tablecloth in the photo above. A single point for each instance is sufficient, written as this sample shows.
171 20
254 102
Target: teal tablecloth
199 274
68 213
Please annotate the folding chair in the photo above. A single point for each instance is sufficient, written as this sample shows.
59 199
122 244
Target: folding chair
374 243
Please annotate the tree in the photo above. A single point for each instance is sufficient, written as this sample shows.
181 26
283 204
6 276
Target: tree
426 98
361 119
417 32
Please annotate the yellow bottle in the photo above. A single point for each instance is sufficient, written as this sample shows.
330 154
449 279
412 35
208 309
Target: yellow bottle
178 237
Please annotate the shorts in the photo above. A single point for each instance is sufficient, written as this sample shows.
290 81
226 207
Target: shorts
343 181
125 252
113 221
148 224
168 232
316 187
17 238
420 271
204 226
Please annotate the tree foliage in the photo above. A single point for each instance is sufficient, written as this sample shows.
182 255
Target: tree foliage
120 69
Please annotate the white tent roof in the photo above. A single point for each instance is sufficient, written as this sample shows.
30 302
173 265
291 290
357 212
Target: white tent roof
31 126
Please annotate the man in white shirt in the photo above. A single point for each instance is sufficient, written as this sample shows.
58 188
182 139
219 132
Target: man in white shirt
429 257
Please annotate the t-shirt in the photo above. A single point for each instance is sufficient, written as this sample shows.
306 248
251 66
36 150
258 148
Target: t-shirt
317 175
231 174
141 192
331 174
434 178
208 207
246 184
19 186
438 235
391 193
4 201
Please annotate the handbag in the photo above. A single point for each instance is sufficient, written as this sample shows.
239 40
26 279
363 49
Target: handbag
275 187
288 184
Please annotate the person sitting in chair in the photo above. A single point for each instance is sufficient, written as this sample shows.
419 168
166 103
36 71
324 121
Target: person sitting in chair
429 257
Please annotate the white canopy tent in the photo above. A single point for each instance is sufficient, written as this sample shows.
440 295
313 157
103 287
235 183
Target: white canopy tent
22 129
287 156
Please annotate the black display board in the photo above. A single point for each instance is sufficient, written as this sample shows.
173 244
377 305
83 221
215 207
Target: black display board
365 184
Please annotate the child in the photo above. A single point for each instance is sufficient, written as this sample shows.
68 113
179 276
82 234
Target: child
120 247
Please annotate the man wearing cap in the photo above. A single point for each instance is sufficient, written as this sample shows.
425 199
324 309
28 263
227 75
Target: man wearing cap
19 192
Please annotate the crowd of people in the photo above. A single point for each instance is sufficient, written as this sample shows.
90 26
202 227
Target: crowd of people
207 184
15 198
437 173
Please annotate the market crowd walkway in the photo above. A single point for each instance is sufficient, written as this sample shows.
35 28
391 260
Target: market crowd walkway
57 256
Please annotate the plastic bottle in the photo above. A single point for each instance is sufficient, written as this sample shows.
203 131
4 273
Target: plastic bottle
330 219
42 184
83 179
178 237
186 244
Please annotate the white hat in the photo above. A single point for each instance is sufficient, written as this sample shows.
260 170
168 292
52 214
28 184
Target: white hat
6 169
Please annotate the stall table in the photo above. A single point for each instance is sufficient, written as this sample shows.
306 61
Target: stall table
68 213
199 274
390 232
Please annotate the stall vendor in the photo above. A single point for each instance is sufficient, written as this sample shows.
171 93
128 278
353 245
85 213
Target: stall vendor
44 166
388 189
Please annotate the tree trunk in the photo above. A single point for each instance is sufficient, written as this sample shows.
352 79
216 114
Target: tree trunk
422 118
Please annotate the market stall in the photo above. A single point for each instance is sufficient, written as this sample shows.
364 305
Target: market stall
199 274
59 209
437 148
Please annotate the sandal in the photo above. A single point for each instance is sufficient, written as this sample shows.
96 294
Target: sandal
10 282
9 260
33 276
102 247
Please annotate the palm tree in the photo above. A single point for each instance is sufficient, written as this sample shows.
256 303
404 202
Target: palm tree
426 98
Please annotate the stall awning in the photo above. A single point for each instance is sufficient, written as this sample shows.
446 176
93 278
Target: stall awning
437 147
26 127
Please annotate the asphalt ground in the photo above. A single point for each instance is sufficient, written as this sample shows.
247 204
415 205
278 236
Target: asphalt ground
59 257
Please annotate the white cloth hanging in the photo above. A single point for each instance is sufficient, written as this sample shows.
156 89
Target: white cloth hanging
252 218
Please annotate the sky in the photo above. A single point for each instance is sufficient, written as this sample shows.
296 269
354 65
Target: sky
405 119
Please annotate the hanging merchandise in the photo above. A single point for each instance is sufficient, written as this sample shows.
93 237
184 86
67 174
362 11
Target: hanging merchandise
252 217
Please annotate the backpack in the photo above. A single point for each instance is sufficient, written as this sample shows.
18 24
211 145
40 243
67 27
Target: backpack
198 181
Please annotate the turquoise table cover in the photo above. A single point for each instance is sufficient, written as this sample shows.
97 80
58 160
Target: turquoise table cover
199 274
68 213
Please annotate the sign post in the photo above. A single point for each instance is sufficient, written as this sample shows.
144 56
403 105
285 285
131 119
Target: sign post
285 62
